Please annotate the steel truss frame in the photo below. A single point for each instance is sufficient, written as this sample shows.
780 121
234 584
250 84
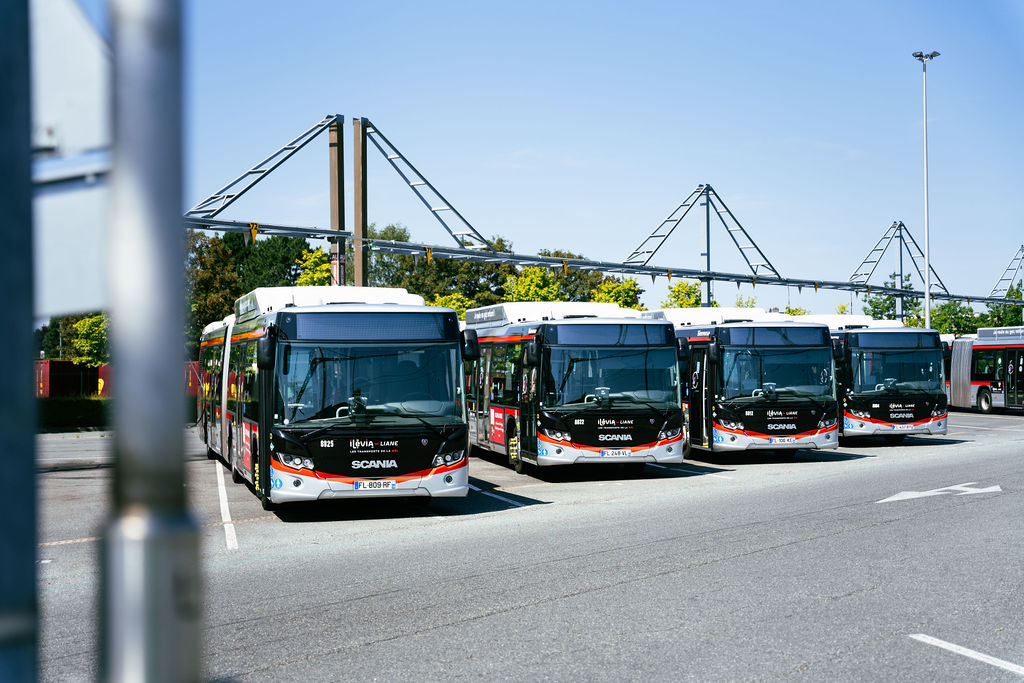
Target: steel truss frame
1005 281
899 232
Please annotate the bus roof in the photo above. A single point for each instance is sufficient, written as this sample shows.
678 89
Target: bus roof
837 321
717 315
539 311
266 299
996 335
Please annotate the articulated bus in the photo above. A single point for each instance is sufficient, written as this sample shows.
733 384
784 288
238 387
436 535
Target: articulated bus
988 371
559 383
311 393
759 385
891 382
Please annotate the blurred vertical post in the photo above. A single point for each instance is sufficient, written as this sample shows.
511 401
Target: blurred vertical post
359 260
18 408
336 147
151 618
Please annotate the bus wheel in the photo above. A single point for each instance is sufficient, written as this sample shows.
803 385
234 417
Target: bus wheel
512 448
687 447
894 439
984 401
236 476
267 504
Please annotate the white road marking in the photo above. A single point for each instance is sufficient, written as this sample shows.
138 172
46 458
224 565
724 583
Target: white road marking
993 429
973 654
501 498
959 489
707 474
225 513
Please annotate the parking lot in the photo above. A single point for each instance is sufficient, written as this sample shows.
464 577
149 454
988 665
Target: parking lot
869 561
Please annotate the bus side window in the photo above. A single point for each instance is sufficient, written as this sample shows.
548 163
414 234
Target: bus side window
497 388
250 397
983 368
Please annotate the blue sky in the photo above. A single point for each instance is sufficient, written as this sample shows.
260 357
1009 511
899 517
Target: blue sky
582 125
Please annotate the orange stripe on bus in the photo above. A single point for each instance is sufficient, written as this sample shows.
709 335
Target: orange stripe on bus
507 339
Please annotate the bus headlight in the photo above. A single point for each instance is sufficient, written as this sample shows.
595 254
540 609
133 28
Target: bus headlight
295 461
557 435
732 424
442 459
862 414
669 433
827 422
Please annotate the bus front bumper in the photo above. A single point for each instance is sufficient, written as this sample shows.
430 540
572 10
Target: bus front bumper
730 440
859 426
668 451
288 486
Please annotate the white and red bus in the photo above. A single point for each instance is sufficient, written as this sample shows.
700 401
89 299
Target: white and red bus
311 393
987 371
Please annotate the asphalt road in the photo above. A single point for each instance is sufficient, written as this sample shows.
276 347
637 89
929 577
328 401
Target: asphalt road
723 568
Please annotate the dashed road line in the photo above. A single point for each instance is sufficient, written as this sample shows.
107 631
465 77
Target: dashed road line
90 539
225 513
501 498
973 654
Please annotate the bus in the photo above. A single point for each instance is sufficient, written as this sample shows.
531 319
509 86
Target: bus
759 384
891 382
561 383
312 393
987 372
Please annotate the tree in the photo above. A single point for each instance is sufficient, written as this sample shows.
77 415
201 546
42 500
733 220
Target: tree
1005 315
843 309
90 343
683 294
534 283
482 283
211 286
573 285
746 301
58 338
270 262
455 300
795 310
955 317
625 293
883 306
314 268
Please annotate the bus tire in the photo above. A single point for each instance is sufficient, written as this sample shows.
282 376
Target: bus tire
267 504
512 447
236 475
210 453
984 401
687 447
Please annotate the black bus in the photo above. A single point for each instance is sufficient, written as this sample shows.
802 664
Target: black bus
760 385
562 383
891 382
330 392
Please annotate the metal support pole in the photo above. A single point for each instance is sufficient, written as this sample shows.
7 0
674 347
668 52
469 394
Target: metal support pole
151 606
336 147
707 247
924 59
18 610
900 245
359 266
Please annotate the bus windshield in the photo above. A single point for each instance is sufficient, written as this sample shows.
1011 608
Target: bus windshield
345 381
581 375
763 373
884 371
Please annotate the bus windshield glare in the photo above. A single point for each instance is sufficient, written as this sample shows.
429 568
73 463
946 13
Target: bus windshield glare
883 371
347 381
759 373
580 375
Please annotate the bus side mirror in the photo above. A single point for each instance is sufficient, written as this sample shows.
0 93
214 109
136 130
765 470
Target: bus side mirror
266 349
470 345
682 349
947 351
532 353
713 353
837 349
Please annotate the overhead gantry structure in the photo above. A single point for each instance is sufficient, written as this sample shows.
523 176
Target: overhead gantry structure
470 245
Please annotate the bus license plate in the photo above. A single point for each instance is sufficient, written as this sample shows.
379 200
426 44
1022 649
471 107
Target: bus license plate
375 484
782 439
616 453
902 428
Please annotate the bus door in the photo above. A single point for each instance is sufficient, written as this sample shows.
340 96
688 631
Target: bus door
699 435
483 423
1014 378
528 404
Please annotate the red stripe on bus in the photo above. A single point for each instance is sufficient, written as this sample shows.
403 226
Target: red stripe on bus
523 337
917 423
248 335
638 447
759 435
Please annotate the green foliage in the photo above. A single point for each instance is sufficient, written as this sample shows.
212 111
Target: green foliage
455 300
384 270
955 317
270 262
625 293
534 284
1005 315
683 294
883 306
57 339
482 283
211 286
746 301
795 310
314 268
90 343
65 413
573 285
843 309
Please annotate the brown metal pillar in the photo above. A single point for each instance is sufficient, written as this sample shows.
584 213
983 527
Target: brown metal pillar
337 162
360 270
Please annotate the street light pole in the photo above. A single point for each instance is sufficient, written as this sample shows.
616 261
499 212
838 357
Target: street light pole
924 59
